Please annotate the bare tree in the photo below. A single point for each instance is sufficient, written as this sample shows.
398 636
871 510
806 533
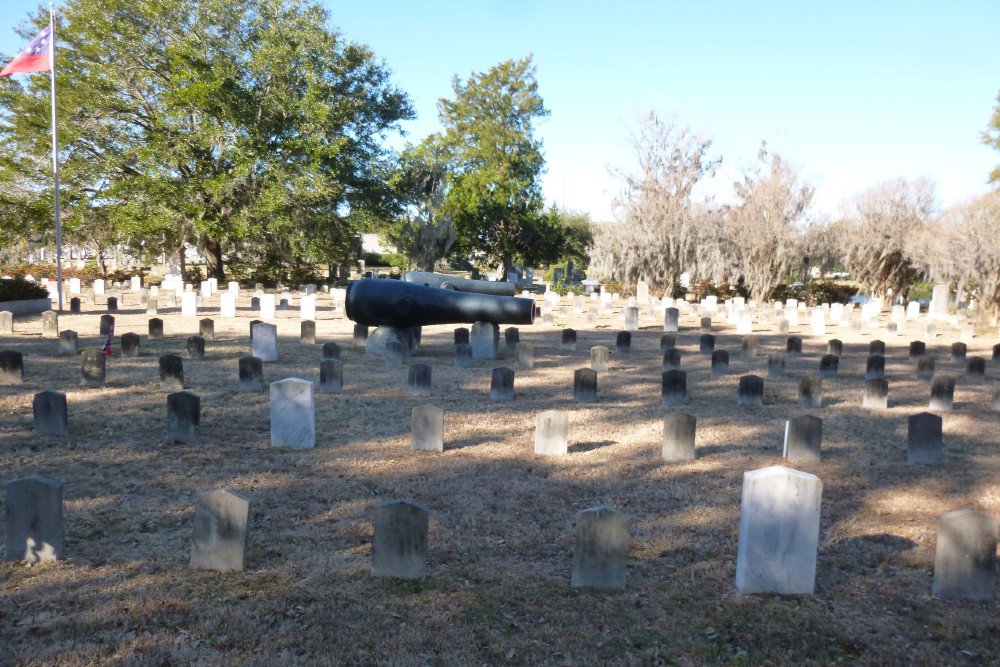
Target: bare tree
882 243
761 234
657 236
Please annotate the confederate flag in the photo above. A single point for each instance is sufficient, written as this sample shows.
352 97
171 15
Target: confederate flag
34 57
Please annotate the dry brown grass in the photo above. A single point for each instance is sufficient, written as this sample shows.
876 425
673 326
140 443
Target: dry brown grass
503 519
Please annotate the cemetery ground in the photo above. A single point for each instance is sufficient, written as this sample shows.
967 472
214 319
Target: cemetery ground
500 546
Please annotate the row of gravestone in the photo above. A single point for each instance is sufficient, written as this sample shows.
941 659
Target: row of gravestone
776 552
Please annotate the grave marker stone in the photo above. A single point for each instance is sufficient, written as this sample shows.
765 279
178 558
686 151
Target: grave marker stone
463 355
793 345
227 305
360 334
264 341
748 346
705 324
811 392
511 337
524 356
502 384
68 342
171 373
671 320
876 396
720 362
568 340
307 332
942 393
219 541
461 336
189 304
923 439
706 344
925 368
975 369
251 374
183 417
34 525
667 342
196 347
399 543
631 318
875 367
50 324
206 329
965 555
751 391
599 355
484 337
803 438
107 322
917 349
679 437
112 304
776 365
835 347
50 414
419 380
958 351
92 368
673 388
779 532
427 428
623 342
130 344
876 347
600 554
155 328
307 307
585 385
551 433
828 365
267 309
671 359
293 413
6 322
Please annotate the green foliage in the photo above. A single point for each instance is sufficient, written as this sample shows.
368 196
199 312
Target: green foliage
828 291
245 126
19 289
494 193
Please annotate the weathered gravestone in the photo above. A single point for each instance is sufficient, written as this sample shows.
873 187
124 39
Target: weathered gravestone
524 356
331 376
189 304
293 413
331 351
227 305
671 320
965 555
461 336
93 368
427 428
196 347
485 337
51 416
828 365
585 385
917 349
6 322
511 337
679 437
925 368
996 354
463 355
803 438
34 525
667 342
130 344
251 371
779 532
551 433
942 393
793 345
623 342
631 318
568 340
876 347
751 391
219 542
50 324
600 554
599 358
923 439
776 365
171 373
958 352
419 380
705 325
875 367
835 346
399 543
206 328
720 362
876 394
975 369
74 305
671 359
264 341
183 417
996 397
11 367
107 322
706 344
811 392
360 336
748 346
502 384
112 304
155 328
673 388
307 332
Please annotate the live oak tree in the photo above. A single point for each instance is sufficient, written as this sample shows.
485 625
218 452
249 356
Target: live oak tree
494 192
246 126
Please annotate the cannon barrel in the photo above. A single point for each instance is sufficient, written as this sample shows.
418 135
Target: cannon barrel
459 284
374 302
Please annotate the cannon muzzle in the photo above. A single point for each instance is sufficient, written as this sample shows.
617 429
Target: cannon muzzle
395 303
459 284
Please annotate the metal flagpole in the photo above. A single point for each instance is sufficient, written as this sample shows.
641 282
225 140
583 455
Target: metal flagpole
55 150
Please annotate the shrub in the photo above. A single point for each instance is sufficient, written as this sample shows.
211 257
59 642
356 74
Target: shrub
19 289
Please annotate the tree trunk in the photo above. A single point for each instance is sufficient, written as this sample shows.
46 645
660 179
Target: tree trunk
182 260
211 248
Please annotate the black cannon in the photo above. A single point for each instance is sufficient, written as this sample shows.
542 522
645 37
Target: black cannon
395 303
459 284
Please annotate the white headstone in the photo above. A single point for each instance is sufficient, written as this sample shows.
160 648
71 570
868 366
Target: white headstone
265 341
939 302
135 283
307 307
99 286
293 414
227 307
189 304
74 285
818 322
267 307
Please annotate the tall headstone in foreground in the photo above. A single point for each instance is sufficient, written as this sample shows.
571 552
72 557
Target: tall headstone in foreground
485 338
923 439
551 433
34 519
399 543
938 309
92 368
50 413
679 437
171 373
779 532
600 555
751 391
221 521
965 555
183 417
585 385
251 374
264 341
502 384
11 367
803 438
427 428
293 414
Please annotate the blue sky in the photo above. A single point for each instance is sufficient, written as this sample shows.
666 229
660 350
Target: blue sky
852 93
